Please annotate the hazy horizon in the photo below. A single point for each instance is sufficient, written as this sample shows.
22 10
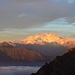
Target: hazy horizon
22 18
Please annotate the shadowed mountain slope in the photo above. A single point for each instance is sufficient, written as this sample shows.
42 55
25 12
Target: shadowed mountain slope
10 52
62 65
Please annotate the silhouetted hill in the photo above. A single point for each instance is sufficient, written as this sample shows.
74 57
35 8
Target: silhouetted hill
62 65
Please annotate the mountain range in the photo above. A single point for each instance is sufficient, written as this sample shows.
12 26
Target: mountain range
43 39
37 47
8 52
48 44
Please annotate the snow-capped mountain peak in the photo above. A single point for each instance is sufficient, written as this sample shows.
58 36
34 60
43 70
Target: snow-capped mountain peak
43 38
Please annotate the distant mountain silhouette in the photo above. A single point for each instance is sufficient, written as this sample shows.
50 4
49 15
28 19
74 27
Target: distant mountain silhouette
61 65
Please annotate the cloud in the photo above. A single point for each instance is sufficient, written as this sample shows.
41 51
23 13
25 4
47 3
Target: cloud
27 1
18 70
1 30
24 14
71 1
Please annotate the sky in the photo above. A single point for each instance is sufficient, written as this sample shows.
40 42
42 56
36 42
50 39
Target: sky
22 18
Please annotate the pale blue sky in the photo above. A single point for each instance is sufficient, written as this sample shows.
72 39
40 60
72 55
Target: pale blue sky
21 18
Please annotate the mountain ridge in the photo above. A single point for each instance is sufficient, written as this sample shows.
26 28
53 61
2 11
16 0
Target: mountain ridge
40 38
9 52
47 38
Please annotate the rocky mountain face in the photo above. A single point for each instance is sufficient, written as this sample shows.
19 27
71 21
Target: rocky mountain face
9 52
61 65
43 39
49 38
